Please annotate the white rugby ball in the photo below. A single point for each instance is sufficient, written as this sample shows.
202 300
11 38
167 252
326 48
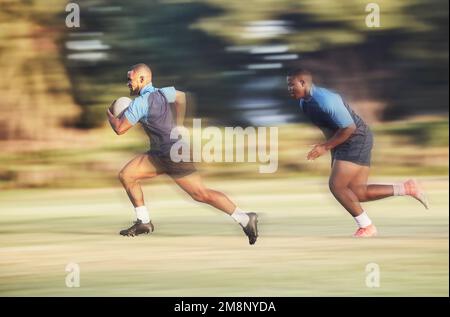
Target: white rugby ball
119 105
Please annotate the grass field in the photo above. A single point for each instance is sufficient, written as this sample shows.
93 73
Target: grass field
304 247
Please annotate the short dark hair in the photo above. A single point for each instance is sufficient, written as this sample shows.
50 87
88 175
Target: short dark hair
299 71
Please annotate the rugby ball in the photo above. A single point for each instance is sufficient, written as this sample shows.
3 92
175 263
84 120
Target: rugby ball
119 105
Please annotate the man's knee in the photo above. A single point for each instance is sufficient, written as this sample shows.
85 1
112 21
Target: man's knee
360 192
336 187
126 178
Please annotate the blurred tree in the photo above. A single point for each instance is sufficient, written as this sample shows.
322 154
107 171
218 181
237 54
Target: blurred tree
151 32
36 97
398 70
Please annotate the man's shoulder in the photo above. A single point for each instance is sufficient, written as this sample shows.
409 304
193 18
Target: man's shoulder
141 100
325 97
148 94
325 92
169 92
159 95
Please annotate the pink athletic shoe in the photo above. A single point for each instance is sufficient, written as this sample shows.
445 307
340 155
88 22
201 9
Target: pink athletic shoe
367 232
413 189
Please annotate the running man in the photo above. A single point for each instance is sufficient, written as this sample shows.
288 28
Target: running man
350 141
159 111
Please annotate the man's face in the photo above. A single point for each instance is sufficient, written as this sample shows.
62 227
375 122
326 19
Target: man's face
133 83
296 87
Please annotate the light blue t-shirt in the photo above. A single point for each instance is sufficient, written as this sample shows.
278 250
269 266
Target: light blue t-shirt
329 112
138 108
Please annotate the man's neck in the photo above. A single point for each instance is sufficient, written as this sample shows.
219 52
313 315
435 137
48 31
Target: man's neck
146 85
308 93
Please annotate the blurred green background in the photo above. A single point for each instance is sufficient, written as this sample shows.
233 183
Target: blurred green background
231 57
60 199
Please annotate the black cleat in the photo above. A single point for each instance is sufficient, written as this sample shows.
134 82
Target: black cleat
251 230
138 228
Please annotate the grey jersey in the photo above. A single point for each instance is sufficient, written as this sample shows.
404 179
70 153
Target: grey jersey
159 123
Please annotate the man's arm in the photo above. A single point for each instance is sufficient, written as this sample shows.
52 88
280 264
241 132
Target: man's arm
119 125
333 106
180 107
339 137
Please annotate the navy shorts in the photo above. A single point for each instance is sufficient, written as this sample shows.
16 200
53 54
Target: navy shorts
164 164
357 149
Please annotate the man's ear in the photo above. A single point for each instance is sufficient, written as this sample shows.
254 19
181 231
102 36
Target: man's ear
142 79
302 82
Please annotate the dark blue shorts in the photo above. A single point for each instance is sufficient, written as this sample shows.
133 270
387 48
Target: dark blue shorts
357 149
164 164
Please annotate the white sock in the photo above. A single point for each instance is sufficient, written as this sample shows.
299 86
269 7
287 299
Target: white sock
240 217
363 220
399 189
142 214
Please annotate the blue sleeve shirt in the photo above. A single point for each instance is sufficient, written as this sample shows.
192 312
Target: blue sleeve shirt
327 110
138 108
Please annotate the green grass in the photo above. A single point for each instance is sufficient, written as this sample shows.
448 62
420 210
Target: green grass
304 246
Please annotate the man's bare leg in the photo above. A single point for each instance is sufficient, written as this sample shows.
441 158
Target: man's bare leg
193 185
342 174
372 192
137 169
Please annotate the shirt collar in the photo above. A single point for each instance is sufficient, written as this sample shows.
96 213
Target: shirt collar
147 88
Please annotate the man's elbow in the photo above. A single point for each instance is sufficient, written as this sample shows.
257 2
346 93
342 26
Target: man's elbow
351 128
180 97
121 131
116 131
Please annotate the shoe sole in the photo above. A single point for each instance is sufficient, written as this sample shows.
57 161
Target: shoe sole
133 235
371 236
256 231
421 197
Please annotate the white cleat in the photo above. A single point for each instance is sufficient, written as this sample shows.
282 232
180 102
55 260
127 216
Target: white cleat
413 189
366 232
